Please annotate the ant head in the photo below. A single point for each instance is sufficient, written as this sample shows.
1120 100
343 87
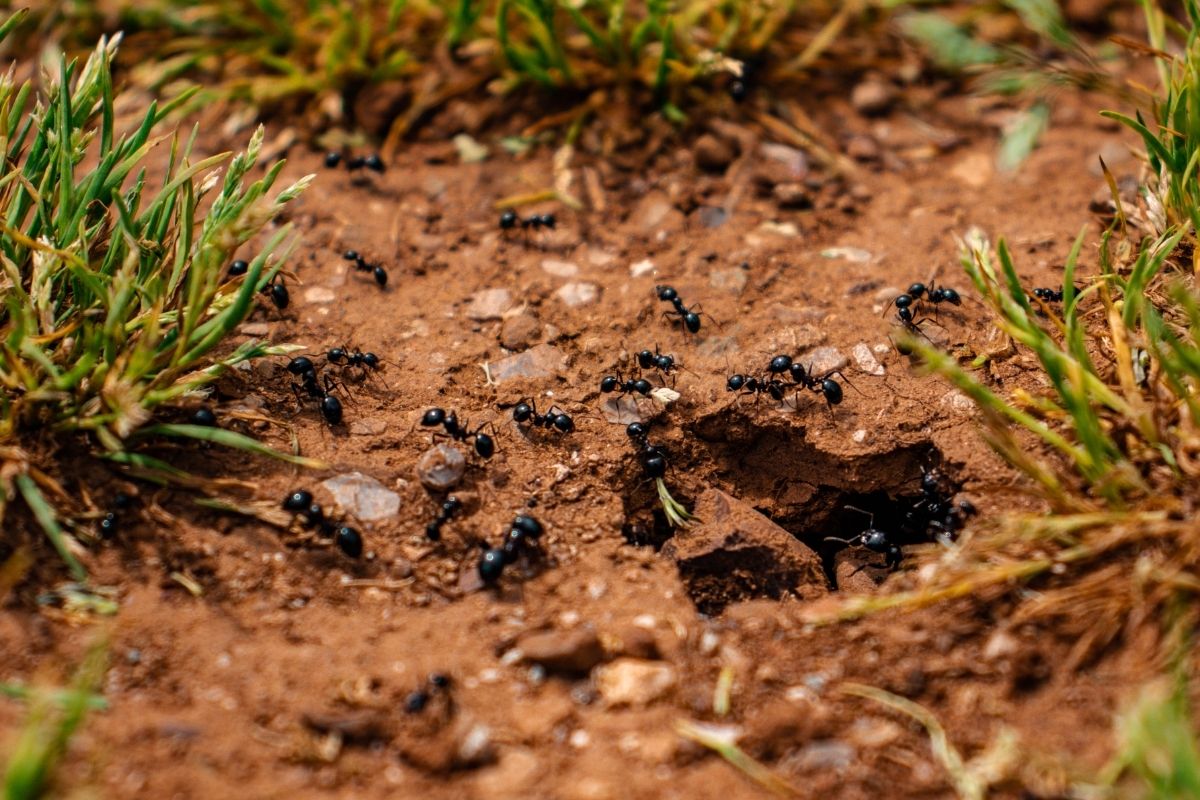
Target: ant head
336 355
239 267
374 163
204 416
609 384
691 321
522 412
931 481
528 526
279 295
735 383
508 219
779 365
636 430
298 500
432 417
351 255
548 220
332 159
452 504
666 293
917 290
905 314
875 540
798 372
664 362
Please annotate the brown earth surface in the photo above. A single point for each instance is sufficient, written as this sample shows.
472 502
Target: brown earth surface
289 674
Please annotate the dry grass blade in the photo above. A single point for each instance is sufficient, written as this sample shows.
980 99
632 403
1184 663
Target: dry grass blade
721 742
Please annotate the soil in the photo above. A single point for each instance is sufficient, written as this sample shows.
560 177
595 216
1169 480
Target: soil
289 674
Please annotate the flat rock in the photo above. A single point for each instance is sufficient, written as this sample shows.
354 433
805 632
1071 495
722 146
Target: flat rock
865 360
540 361
577 294
560 269
634 682
872 96
640 268
571 652
824 359
441 467
363 496
621 410
736 553
732 280
489 304
319 294
782 164
368 427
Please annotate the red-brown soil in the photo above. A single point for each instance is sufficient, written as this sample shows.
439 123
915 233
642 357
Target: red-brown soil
234 693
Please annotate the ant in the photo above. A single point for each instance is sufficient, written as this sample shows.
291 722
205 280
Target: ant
485 446
665 364
354 358
613 383
347 539
372 162
509 220
1049 295
239 267
521 538
556 418
749 385
110 523
876 541
204 416
824 384
331 407
278 292
687 317
360 264
416 701
433 531
652 457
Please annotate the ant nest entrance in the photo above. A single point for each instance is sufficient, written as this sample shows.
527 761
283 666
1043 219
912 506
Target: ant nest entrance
791 521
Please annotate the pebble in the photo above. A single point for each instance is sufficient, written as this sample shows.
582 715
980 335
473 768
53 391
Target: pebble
653 210
823 755
572 652
785 229
475 747
254 329
540 361
853 254
865 360
600 258
643 267
792 195
489 304
519 332
958 402
712 216
872 97
363 496
319 294
790 164
560 269
634 682
621 410
974 170
825 359
713 154
861 147
368 427
731 280
577 294
441 467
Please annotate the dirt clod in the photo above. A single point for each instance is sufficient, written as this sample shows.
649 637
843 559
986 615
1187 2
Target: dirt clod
441 467
634 682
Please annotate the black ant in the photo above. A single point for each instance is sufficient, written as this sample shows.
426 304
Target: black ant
749 385
509 220
239 267
204 416
360 264
821 384
451 506
331 407
278 292
876 541
652 457
417 700
614 383
556 418
521 538
372 162
665 364
1049 295
347 539
939 512
687 317
485 446
354 358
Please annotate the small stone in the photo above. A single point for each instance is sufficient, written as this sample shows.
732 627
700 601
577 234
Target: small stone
865 360
319 294
861 147
560 269
634 682
363 496
825 359
823 755
577 294
787 230
652 211
540 361
792 195
873 96
475 746
787 164
713 154
254 329
519 332
731 280
572 652
1000 644
958 402
712 216
640 268
855 255
441 467
974 170
600 258
489 304
368 427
